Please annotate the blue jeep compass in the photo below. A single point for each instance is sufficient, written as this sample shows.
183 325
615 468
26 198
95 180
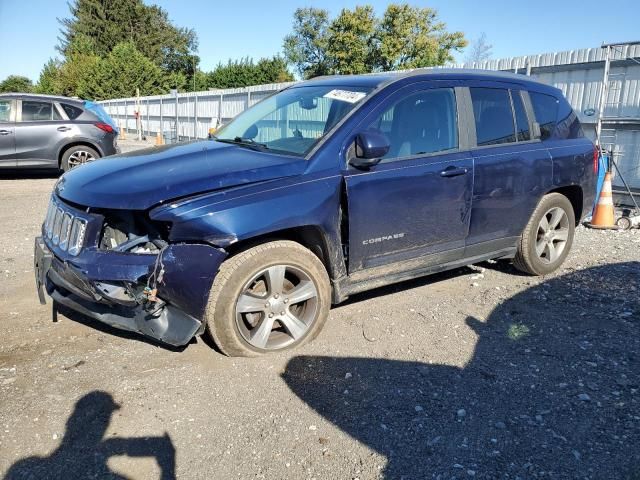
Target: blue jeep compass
328 188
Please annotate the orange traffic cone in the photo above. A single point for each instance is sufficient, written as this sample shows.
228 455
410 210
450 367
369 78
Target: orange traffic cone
603 215
159 139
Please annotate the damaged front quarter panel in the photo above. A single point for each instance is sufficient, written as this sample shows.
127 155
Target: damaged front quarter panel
184 274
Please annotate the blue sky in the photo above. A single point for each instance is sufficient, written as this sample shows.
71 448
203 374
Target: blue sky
29 30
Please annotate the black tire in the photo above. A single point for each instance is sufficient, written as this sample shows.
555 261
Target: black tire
229 329
527 258
67 164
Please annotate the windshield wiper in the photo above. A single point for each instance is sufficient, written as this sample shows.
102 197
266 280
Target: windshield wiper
246 142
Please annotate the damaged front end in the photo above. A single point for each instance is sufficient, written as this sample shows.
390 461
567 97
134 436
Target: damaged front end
118 267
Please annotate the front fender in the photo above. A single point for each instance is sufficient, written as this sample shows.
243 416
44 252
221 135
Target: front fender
226 217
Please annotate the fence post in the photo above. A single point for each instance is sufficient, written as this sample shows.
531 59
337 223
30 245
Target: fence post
161 121
220 110
147 118
195 116
177 118
126 118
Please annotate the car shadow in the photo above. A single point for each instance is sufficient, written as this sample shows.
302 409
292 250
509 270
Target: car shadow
552 389
84 450
24 174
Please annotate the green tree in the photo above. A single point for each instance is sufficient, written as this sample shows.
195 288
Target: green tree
109 22
413 37
245 72
124 70
16 83
49 80
306 47
358 42
350 48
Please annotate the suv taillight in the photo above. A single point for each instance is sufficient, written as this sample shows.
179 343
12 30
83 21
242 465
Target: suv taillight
596 157
104 126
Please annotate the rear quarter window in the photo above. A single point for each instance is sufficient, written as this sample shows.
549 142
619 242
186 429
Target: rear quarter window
545 108
71 111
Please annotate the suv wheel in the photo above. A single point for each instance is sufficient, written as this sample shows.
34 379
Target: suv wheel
272 297
77 155
547 238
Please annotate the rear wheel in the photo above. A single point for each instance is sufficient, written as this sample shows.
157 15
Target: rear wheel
76 156
547 238
269 298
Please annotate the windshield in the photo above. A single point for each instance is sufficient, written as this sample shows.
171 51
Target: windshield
100 112
294 120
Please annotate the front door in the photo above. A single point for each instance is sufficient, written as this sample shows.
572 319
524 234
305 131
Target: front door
7 133
416 202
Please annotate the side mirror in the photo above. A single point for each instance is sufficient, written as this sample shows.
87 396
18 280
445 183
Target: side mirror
308 103
371 146
251 132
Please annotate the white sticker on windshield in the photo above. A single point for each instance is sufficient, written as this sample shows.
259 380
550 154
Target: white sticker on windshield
345 95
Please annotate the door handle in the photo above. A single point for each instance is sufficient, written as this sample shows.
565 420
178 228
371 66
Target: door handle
64 129
453 171
5 132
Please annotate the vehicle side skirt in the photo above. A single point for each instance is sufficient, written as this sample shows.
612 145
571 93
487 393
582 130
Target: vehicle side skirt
407 270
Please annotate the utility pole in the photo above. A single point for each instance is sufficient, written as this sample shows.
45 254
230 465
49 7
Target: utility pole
603 93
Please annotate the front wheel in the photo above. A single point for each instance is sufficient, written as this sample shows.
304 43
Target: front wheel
547 238
272 297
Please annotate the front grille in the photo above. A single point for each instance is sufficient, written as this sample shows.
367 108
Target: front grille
63 229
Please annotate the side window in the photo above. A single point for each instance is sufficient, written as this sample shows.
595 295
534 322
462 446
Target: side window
545 108
424 122
493 116
36 111
71 111
5 110
522 122
56 114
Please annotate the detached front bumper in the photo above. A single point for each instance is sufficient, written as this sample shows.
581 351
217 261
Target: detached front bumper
96 284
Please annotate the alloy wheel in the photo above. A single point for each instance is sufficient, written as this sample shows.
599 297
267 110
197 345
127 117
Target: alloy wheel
276 307
552 235
80 157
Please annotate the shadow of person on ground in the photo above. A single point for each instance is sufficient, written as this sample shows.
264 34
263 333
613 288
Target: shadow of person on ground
84 452
552 389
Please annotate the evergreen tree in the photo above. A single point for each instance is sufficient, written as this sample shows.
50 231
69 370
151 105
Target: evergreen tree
17 84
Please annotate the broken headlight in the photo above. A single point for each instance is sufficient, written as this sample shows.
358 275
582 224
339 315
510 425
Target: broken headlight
132 232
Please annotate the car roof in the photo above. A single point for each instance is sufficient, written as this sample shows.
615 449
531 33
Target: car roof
381 79
42 96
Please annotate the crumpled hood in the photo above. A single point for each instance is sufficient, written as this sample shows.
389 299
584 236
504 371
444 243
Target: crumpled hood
144 178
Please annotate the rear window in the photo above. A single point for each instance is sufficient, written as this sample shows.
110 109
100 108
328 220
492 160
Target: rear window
545 108
493 116
71 111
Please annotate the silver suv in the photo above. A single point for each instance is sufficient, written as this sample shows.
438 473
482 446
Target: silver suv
43 131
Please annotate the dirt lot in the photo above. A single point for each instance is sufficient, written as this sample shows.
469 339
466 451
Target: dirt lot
476 373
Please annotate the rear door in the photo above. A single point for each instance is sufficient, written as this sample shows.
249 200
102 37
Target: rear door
39 129
7 132
416 202
512 168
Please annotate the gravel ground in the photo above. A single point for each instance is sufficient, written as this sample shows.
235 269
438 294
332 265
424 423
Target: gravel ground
476 373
